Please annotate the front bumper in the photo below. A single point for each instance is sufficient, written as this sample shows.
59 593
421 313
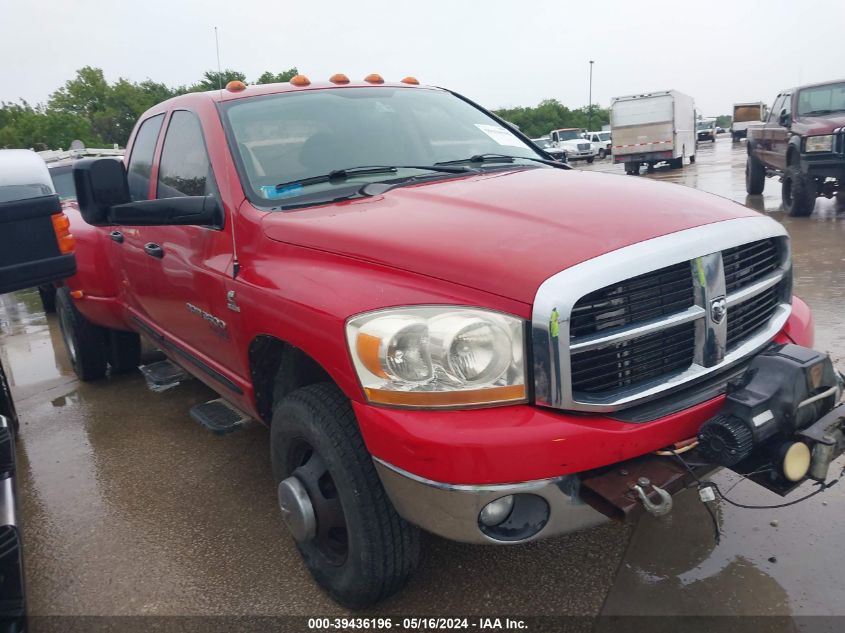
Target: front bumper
824 165
451 511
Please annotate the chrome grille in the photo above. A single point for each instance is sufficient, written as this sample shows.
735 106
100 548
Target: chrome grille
745 318
633 361
583 146
629 328
633 300
749 262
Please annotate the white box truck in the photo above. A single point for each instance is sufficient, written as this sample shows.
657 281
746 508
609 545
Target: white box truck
652 128
746 115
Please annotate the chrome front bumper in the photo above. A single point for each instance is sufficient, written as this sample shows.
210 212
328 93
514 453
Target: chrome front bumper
451 511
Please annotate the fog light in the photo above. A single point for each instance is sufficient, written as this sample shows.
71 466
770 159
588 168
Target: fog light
795 460
496 511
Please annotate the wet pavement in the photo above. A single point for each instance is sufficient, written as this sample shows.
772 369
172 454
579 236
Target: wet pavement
131 508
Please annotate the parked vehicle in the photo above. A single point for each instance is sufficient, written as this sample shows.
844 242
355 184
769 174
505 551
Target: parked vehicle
35 247
652 128
573 143
545 143
706 130
802 143
600 142
60 164
747 115
467 338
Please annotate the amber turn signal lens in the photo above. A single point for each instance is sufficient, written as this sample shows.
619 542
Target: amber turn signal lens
374 78
463 398
411 80
339 78
77 294
300 80
61 227
235 86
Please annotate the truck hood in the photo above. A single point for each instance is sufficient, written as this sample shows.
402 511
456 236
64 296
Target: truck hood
818 124
501 232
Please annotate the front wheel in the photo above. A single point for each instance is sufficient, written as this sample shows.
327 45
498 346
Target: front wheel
798 193
354 543
590 160
692 159
755 176
7 405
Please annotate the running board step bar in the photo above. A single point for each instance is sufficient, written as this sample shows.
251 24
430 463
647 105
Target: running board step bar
162 375
219 417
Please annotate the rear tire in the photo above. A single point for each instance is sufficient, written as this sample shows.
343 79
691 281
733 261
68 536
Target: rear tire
798 193
755 176
632 169
48 298
314 438
692 159
85 342
602 154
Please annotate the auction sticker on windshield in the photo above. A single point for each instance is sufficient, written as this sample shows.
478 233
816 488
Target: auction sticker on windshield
500 135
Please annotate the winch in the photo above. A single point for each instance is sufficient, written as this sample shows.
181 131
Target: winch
768 425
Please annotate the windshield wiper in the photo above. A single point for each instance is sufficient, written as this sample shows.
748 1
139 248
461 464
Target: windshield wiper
343 174
502 158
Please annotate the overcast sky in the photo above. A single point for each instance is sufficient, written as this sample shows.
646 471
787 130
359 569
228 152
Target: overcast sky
498 52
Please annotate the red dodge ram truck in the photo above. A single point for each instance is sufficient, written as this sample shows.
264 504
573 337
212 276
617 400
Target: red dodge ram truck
442 328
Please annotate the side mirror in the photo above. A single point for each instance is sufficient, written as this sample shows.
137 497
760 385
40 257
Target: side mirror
783 119
100 184
193 210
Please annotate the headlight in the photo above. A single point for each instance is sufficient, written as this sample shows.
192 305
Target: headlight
438 356
819 143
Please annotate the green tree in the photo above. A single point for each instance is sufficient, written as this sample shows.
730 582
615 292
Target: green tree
213 80
552 114
269 78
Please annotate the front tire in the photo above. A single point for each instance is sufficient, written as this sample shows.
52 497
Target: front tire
797 193
124 351
755 176
602 154
85 342
7 405
356 546
590 160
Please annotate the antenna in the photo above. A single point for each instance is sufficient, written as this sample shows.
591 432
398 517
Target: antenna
236 266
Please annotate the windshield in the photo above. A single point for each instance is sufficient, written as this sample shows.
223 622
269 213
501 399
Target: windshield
289 137
63 182
705 125
605 136
569 135
542 142
821 100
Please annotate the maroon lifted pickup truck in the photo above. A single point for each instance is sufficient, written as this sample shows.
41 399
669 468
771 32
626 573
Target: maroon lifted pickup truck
803 142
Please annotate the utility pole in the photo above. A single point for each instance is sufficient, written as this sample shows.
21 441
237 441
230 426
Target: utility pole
590 111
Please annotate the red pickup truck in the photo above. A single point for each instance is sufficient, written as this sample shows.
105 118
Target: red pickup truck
443 328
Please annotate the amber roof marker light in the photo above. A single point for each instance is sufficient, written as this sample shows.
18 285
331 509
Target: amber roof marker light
413 81
235 86
339 78
300 80
374 78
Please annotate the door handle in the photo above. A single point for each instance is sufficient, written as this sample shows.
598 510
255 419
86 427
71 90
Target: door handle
116 236
154 250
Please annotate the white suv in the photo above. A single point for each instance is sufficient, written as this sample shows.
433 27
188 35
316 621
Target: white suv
600 142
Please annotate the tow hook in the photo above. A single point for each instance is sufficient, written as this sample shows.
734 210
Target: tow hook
657 509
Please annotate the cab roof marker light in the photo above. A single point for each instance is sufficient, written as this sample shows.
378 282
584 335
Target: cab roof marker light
374 78
300 81
339 78
235 86
413 81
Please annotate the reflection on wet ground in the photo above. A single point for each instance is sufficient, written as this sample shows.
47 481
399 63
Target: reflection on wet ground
131 508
